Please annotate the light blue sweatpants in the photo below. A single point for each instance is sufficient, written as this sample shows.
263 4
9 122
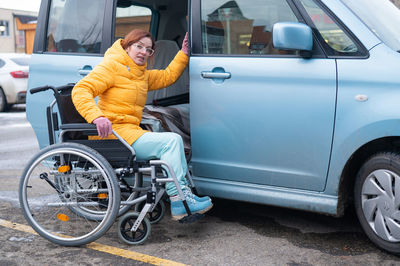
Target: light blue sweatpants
166 146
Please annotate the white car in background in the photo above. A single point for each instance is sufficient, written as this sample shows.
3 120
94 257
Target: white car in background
14 71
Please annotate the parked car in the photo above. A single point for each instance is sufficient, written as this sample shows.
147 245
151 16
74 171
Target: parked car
14 72
293 103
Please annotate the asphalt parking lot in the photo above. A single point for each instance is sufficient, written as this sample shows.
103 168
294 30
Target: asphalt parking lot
232 233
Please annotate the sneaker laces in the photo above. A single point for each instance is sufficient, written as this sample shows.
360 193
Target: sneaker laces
188 195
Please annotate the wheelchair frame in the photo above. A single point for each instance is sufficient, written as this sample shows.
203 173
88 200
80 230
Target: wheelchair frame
104 165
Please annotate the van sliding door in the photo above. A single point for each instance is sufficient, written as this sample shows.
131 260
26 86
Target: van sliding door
258 115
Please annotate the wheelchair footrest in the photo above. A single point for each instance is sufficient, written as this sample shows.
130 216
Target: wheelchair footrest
191 218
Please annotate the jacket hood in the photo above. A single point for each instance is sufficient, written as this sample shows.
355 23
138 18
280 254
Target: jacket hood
118 54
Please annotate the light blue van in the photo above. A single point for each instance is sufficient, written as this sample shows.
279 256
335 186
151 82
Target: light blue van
293 103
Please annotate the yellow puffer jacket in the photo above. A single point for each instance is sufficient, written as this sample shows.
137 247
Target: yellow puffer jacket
122 87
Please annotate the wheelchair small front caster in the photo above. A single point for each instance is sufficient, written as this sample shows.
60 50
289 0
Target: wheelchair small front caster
125 225
156 215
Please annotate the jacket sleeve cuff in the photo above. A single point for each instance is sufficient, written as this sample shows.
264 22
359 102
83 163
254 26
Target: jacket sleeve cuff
93 116
181 56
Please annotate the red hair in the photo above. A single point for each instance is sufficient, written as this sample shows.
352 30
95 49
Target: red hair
134 36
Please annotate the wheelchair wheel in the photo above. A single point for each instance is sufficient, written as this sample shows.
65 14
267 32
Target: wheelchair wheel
69 194
125 224
156 215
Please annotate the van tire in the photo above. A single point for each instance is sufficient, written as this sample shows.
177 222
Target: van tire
377 200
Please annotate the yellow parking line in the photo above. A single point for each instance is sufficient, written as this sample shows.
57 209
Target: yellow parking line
100 247
131 254
19 227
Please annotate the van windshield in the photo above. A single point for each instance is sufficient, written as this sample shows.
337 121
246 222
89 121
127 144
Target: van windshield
381 16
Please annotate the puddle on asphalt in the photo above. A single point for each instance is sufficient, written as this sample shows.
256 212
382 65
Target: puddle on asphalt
13 198
10 196
21 239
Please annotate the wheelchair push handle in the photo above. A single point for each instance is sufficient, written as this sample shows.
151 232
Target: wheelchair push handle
39 89
56 90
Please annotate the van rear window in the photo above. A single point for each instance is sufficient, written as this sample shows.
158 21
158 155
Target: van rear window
75 26
21 61
131 16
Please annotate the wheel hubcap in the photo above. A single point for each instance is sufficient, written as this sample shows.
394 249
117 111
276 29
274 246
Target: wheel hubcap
380 199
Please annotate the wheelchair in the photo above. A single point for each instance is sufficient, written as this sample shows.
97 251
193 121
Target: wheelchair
72 191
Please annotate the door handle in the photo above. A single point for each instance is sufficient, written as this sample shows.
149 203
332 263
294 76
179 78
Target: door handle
215 75
85 70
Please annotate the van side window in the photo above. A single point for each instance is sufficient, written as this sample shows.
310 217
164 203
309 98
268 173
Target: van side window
129 17
75 26
331 32
242 26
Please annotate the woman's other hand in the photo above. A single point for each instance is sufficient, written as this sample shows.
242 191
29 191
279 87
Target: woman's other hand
104 126
185 45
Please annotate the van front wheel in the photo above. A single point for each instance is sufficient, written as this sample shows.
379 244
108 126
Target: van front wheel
377 200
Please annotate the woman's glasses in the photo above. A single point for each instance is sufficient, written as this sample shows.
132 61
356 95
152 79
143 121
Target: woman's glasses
140 47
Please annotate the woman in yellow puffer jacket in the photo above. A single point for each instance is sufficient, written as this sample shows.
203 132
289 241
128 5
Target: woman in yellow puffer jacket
121 82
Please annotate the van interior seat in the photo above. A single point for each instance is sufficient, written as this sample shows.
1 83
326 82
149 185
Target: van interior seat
168 117
164 53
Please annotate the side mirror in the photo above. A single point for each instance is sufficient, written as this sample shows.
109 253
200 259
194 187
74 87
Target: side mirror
292 36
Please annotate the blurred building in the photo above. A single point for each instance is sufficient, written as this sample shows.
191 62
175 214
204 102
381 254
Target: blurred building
396 2
17 30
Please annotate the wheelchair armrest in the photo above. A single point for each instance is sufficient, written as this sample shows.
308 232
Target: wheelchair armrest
85 128
78 126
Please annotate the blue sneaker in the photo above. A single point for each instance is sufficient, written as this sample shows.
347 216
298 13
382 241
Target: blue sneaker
189 194
178 210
